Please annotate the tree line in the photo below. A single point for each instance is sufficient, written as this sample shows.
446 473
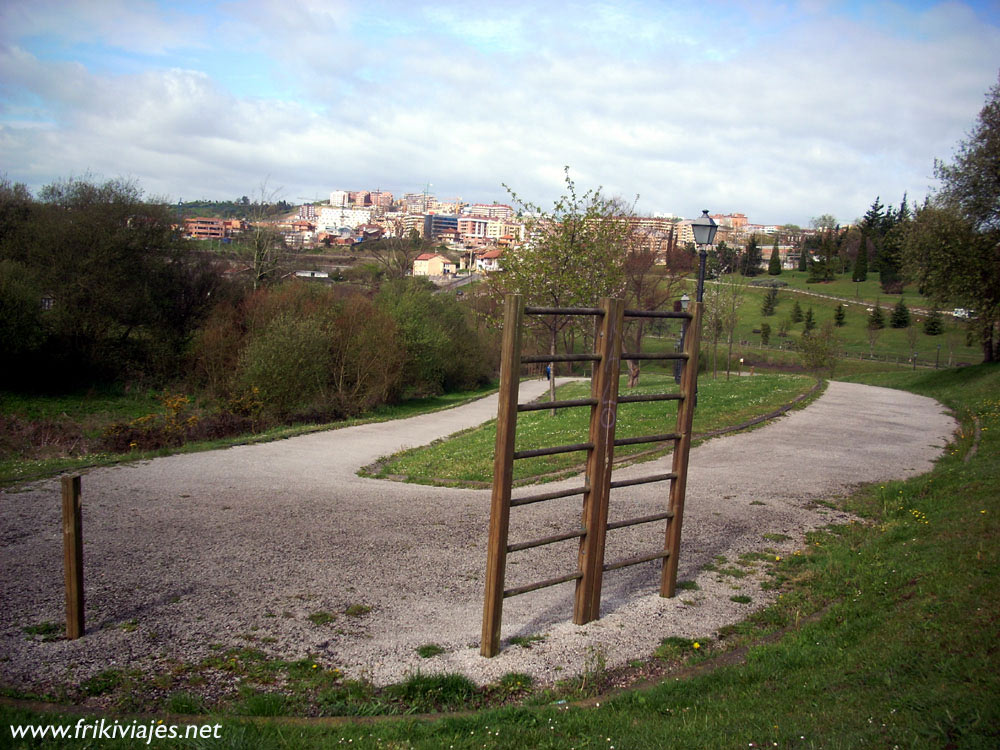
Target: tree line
98 288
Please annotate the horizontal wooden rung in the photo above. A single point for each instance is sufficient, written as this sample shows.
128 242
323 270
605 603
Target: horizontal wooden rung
541 584
547 496
635 560
541 542
552 451
644 480
644 397
643 519
655 355
657 314
535 358
563 311
647 439
540 405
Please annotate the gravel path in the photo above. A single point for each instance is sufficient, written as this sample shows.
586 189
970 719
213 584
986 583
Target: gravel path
239 547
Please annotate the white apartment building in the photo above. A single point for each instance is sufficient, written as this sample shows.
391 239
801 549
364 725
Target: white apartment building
339 198
490 211
332 218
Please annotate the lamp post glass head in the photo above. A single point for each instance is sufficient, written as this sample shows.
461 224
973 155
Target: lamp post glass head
685 301
704 228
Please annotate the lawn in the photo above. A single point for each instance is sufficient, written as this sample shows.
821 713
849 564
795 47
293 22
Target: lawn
897 344
468 456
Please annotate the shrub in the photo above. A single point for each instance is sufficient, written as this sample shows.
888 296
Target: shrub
288 363
443 351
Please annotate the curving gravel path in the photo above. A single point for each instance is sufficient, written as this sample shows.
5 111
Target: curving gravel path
239 547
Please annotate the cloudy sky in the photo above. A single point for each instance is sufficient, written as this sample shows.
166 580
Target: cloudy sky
783 110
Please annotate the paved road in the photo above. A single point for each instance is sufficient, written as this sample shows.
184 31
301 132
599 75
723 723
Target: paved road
240 546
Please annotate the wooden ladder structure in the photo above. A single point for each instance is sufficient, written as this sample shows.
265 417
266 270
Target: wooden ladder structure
597 486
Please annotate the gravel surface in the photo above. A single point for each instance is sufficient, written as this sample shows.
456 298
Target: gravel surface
239 547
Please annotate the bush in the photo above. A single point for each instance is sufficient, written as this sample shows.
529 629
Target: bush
289 363
443 350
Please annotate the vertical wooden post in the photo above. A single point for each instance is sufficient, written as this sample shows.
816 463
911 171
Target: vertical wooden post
604 387
73 555
678 487
503 470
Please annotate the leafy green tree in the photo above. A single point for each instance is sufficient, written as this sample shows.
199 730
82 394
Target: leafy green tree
796 315
774 264
839 316
808 321
126 293
820 350
934 324
22 330
573 258
950 247
900 317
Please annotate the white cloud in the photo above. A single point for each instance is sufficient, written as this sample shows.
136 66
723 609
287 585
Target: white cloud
783 115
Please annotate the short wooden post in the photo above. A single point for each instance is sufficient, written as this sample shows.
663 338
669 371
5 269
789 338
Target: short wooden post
603 415
503 470
678 487
73 555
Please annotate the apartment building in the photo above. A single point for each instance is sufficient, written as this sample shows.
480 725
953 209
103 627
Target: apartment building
333 218
205 228
490 211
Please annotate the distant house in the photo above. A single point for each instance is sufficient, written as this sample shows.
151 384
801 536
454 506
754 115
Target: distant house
489 261
432 264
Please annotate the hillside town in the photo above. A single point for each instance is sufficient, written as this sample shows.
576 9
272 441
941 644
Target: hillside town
466 237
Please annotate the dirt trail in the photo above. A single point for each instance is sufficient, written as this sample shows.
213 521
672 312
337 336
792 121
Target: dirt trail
239 547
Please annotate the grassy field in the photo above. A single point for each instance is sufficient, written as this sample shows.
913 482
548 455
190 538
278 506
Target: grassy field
885 635
468 457
865 292
895 343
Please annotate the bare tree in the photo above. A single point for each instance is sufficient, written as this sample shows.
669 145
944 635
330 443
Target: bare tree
261 245
733 294
649 286
399 248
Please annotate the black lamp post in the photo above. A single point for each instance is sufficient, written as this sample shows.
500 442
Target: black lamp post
704 228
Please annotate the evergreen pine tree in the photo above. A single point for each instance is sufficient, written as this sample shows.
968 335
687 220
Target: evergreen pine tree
770 300
796 312
774 265
876 319
839 316
803 257
934 325
900 315
765 333
861 265
751 258
809 321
